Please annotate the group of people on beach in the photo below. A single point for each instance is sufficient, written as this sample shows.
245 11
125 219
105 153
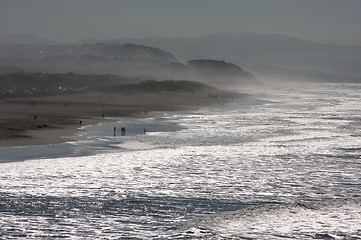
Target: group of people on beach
123 131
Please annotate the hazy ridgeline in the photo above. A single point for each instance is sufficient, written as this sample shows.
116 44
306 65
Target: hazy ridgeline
127 60
268 57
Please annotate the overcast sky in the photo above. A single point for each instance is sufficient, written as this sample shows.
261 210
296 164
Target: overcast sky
337 21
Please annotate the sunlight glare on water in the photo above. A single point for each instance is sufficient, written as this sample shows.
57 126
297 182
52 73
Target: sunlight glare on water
282 164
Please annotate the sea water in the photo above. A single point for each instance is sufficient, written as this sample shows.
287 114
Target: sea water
280 164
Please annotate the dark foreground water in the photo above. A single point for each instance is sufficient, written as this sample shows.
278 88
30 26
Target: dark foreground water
284 164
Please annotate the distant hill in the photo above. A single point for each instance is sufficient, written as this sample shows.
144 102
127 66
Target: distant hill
262 52
219 73
128 60
108 51
100 58
272 50
39 84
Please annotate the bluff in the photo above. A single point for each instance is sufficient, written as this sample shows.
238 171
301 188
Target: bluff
219 73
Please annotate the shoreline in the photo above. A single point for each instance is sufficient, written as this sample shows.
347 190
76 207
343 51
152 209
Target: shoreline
42 137
51 120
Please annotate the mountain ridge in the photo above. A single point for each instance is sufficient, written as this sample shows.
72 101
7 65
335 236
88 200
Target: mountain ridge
251 49
16 38
256 49
124 59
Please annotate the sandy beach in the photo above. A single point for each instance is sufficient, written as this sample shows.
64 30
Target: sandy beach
54 119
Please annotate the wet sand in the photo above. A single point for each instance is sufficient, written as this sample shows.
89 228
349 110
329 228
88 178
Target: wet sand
55 119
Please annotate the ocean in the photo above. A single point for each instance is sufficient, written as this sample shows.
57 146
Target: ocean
283 163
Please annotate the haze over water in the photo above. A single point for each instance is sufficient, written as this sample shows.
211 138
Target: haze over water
283 163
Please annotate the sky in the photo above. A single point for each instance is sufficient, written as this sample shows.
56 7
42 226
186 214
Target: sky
336 21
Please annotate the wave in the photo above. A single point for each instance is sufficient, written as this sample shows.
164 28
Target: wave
328 219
